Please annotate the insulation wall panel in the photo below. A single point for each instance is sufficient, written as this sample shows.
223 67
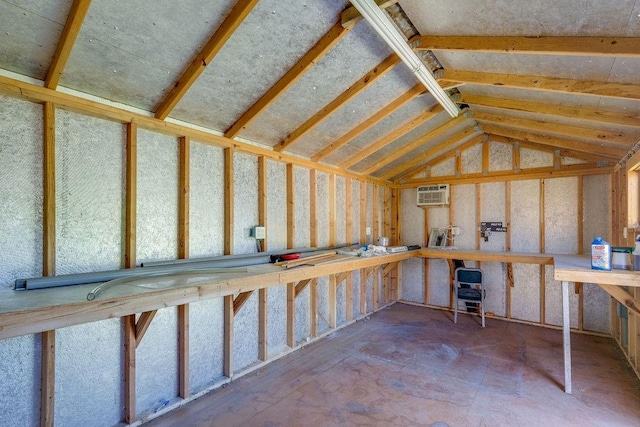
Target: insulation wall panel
277 319
20 190
525 294
323 304
561 215
302 212
553 301
341 212
445 168
245 334
413 280
245 202
463 197
534 159
206 343
89 193
525 216
500 156
276 205
322 208
355 212
303 319
469 159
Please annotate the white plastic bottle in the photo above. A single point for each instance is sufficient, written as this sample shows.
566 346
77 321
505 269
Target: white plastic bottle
600 254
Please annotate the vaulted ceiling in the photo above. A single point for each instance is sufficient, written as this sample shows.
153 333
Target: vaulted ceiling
313 79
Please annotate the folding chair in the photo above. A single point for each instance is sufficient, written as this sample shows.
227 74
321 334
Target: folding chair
469 286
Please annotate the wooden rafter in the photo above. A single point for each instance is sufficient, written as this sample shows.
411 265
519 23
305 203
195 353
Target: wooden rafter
551 84
351 16
324 45
558 143
68 38
545 45
416 162
611 139
408 148
197 66
367 80
392 136
603 117
370 122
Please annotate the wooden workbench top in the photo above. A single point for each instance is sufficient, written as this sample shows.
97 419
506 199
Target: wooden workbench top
476 255
576 268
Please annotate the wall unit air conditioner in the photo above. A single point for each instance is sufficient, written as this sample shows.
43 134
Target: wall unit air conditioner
433 195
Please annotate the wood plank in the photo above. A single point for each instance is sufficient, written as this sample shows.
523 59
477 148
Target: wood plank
183 198
389 268
263 330
262 201
291 314
131 197
332 210
143 323
313 307
543 280
304 64
419 142
313 210
364 82
183 351
392 136
516 156
332 302
584 134
228 200
48 379
629 119
240 11
351 16
550 84
291 207
241 300
301 285
67 40
566 336
370 122
510 284
227 369
49 191
375 206
129 335
308 260
341 277
484 256
363 291
348 295
622 296
615 47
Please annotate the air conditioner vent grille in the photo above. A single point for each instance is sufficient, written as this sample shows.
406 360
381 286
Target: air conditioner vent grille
433 195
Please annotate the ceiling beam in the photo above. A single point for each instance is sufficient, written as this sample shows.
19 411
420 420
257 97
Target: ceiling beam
388 109
408 148
76 16
304 64
367 80
197 66
392 136
575 46
351 16
417 162
594 135
558 143
551 84
603 117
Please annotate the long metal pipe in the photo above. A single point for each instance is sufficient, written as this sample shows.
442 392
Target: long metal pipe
219 257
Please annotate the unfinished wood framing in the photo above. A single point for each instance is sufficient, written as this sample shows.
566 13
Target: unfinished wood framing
426 260
47 375
228 200
240 301
131 196
332 210
291 314
228 368
129 334
291 207
49 192
363 213
313 212
183 351
183 198
262 200
263 332
543 279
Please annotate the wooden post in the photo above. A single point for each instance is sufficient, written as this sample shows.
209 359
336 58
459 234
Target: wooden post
579 288
510 282
291 207
332 209
376 213
183 253
129 333
183 350
131 196
363 213
313 307
228 336
566 336
262 199
333 309
313 214
228 202
348 227
426 260
543 274
349 295
291 315
263 335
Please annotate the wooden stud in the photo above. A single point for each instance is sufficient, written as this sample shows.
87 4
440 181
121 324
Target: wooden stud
263 331
426 260
348 207
363 213
485 157
183 351
348 294
543 280
313 213
304 64
228 201
183 198
262 200
47 375
291 315
49 192
131 196
313 307
376 213
363 291
291 207
364 82
376 289
478 214
333 314
385 111
129 333
579 288
197 66
228 336
516 157
67 40
332 210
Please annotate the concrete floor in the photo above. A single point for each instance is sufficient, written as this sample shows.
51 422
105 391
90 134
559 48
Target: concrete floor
410 365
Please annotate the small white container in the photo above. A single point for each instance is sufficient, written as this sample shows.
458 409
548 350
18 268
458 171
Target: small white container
383 241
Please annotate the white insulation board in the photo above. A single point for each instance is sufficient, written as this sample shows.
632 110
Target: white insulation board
245 334
302 196
245 202
206 343
276 206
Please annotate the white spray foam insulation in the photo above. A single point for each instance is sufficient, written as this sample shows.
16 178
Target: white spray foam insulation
90 157
596 313
303 315
276 205
495 282
245 202
157 206
525 294
322 208
341 302
341 212
561 215
597 209
206 343
493 209
572 161
20 361
206 201
277 318
525 216
245 334
356 293
323 304
355 212
446 167
471 159
412 218
369 213
439 282
20 189
157 362
413 280
463 198
534 158
88 380
302 195
553 300
500 156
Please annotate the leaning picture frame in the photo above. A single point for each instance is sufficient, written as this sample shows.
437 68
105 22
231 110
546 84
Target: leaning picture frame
438 238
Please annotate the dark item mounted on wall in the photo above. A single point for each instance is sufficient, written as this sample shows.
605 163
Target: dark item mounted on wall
486 228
